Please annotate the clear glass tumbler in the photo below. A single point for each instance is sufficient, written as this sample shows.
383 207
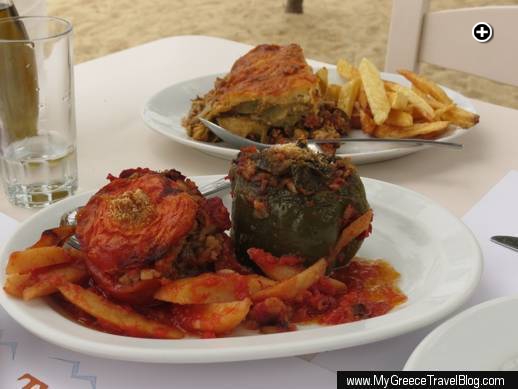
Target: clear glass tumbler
38 163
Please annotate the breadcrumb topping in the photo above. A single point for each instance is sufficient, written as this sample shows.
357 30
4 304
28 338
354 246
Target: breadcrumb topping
132 207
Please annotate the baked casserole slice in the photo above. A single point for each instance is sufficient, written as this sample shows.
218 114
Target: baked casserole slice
271 95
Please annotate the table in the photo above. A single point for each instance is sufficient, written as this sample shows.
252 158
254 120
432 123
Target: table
111 92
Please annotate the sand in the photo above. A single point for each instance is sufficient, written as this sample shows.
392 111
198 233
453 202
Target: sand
327 30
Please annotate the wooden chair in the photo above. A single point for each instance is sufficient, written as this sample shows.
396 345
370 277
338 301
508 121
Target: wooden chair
445 38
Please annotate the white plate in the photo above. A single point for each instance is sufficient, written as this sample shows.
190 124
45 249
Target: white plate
437 256
165 110
480 338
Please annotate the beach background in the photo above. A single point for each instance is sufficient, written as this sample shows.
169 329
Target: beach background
327 30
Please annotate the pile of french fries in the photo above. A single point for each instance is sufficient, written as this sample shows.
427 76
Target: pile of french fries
211 302
385 109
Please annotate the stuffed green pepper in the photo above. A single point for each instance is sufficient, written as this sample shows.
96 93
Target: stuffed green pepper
288 199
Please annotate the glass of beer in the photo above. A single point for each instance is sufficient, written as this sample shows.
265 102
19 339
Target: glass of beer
38 163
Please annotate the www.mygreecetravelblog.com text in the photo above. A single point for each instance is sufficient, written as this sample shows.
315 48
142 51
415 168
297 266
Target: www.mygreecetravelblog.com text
426 379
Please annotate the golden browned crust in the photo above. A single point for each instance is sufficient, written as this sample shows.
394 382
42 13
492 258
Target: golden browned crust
269 75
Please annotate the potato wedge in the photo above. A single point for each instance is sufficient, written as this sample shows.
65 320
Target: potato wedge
54 236
322 75
397 100
435 104
460 117
218 318
427 86
375 91
346 70
439 112
355 118
390 86
48 282
367 123
16 283
34 258
417 102
399 118
332 92
333 285
212 288
280 271
417 130
291 287
362 100
351 232
277 268
348 95
117 316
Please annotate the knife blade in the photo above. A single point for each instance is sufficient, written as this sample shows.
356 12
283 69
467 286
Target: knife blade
511 242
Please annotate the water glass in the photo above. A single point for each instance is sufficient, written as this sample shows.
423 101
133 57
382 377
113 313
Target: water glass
38 163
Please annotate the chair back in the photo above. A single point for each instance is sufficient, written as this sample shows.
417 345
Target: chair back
445 38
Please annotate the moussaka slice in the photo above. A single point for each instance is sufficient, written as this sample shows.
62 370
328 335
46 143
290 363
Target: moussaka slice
271 95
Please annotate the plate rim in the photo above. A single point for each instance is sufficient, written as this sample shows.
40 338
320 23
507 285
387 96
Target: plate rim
129 352
413 360
222 152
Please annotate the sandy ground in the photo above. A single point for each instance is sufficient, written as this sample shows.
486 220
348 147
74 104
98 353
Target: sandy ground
327 30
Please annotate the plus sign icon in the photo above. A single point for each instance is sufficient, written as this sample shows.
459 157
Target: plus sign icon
482 32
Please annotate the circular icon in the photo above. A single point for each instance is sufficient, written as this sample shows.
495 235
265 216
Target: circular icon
482 32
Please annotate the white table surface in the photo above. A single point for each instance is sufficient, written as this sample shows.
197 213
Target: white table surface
111 92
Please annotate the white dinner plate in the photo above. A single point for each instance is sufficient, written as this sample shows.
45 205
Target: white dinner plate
438 258
480 338
165 110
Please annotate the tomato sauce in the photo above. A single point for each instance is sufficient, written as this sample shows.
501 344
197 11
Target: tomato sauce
371 291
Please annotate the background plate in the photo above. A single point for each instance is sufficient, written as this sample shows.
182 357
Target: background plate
480 338
165 110
437 256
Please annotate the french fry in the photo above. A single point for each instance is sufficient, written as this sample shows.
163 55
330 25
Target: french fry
434 135
390 86
281 271
348 95
275 270
212 288
218 318
16 283
427 86
54 236
367 123
362 100
460 117
435 104
291 287
417 102
346 70
334 284
375 91
351 232
355 118
416 130
332 92
322 75
122 318
399 118
34 258
438 114
397 100
48 282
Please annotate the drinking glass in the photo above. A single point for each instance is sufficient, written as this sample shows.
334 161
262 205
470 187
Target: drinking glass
38 163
